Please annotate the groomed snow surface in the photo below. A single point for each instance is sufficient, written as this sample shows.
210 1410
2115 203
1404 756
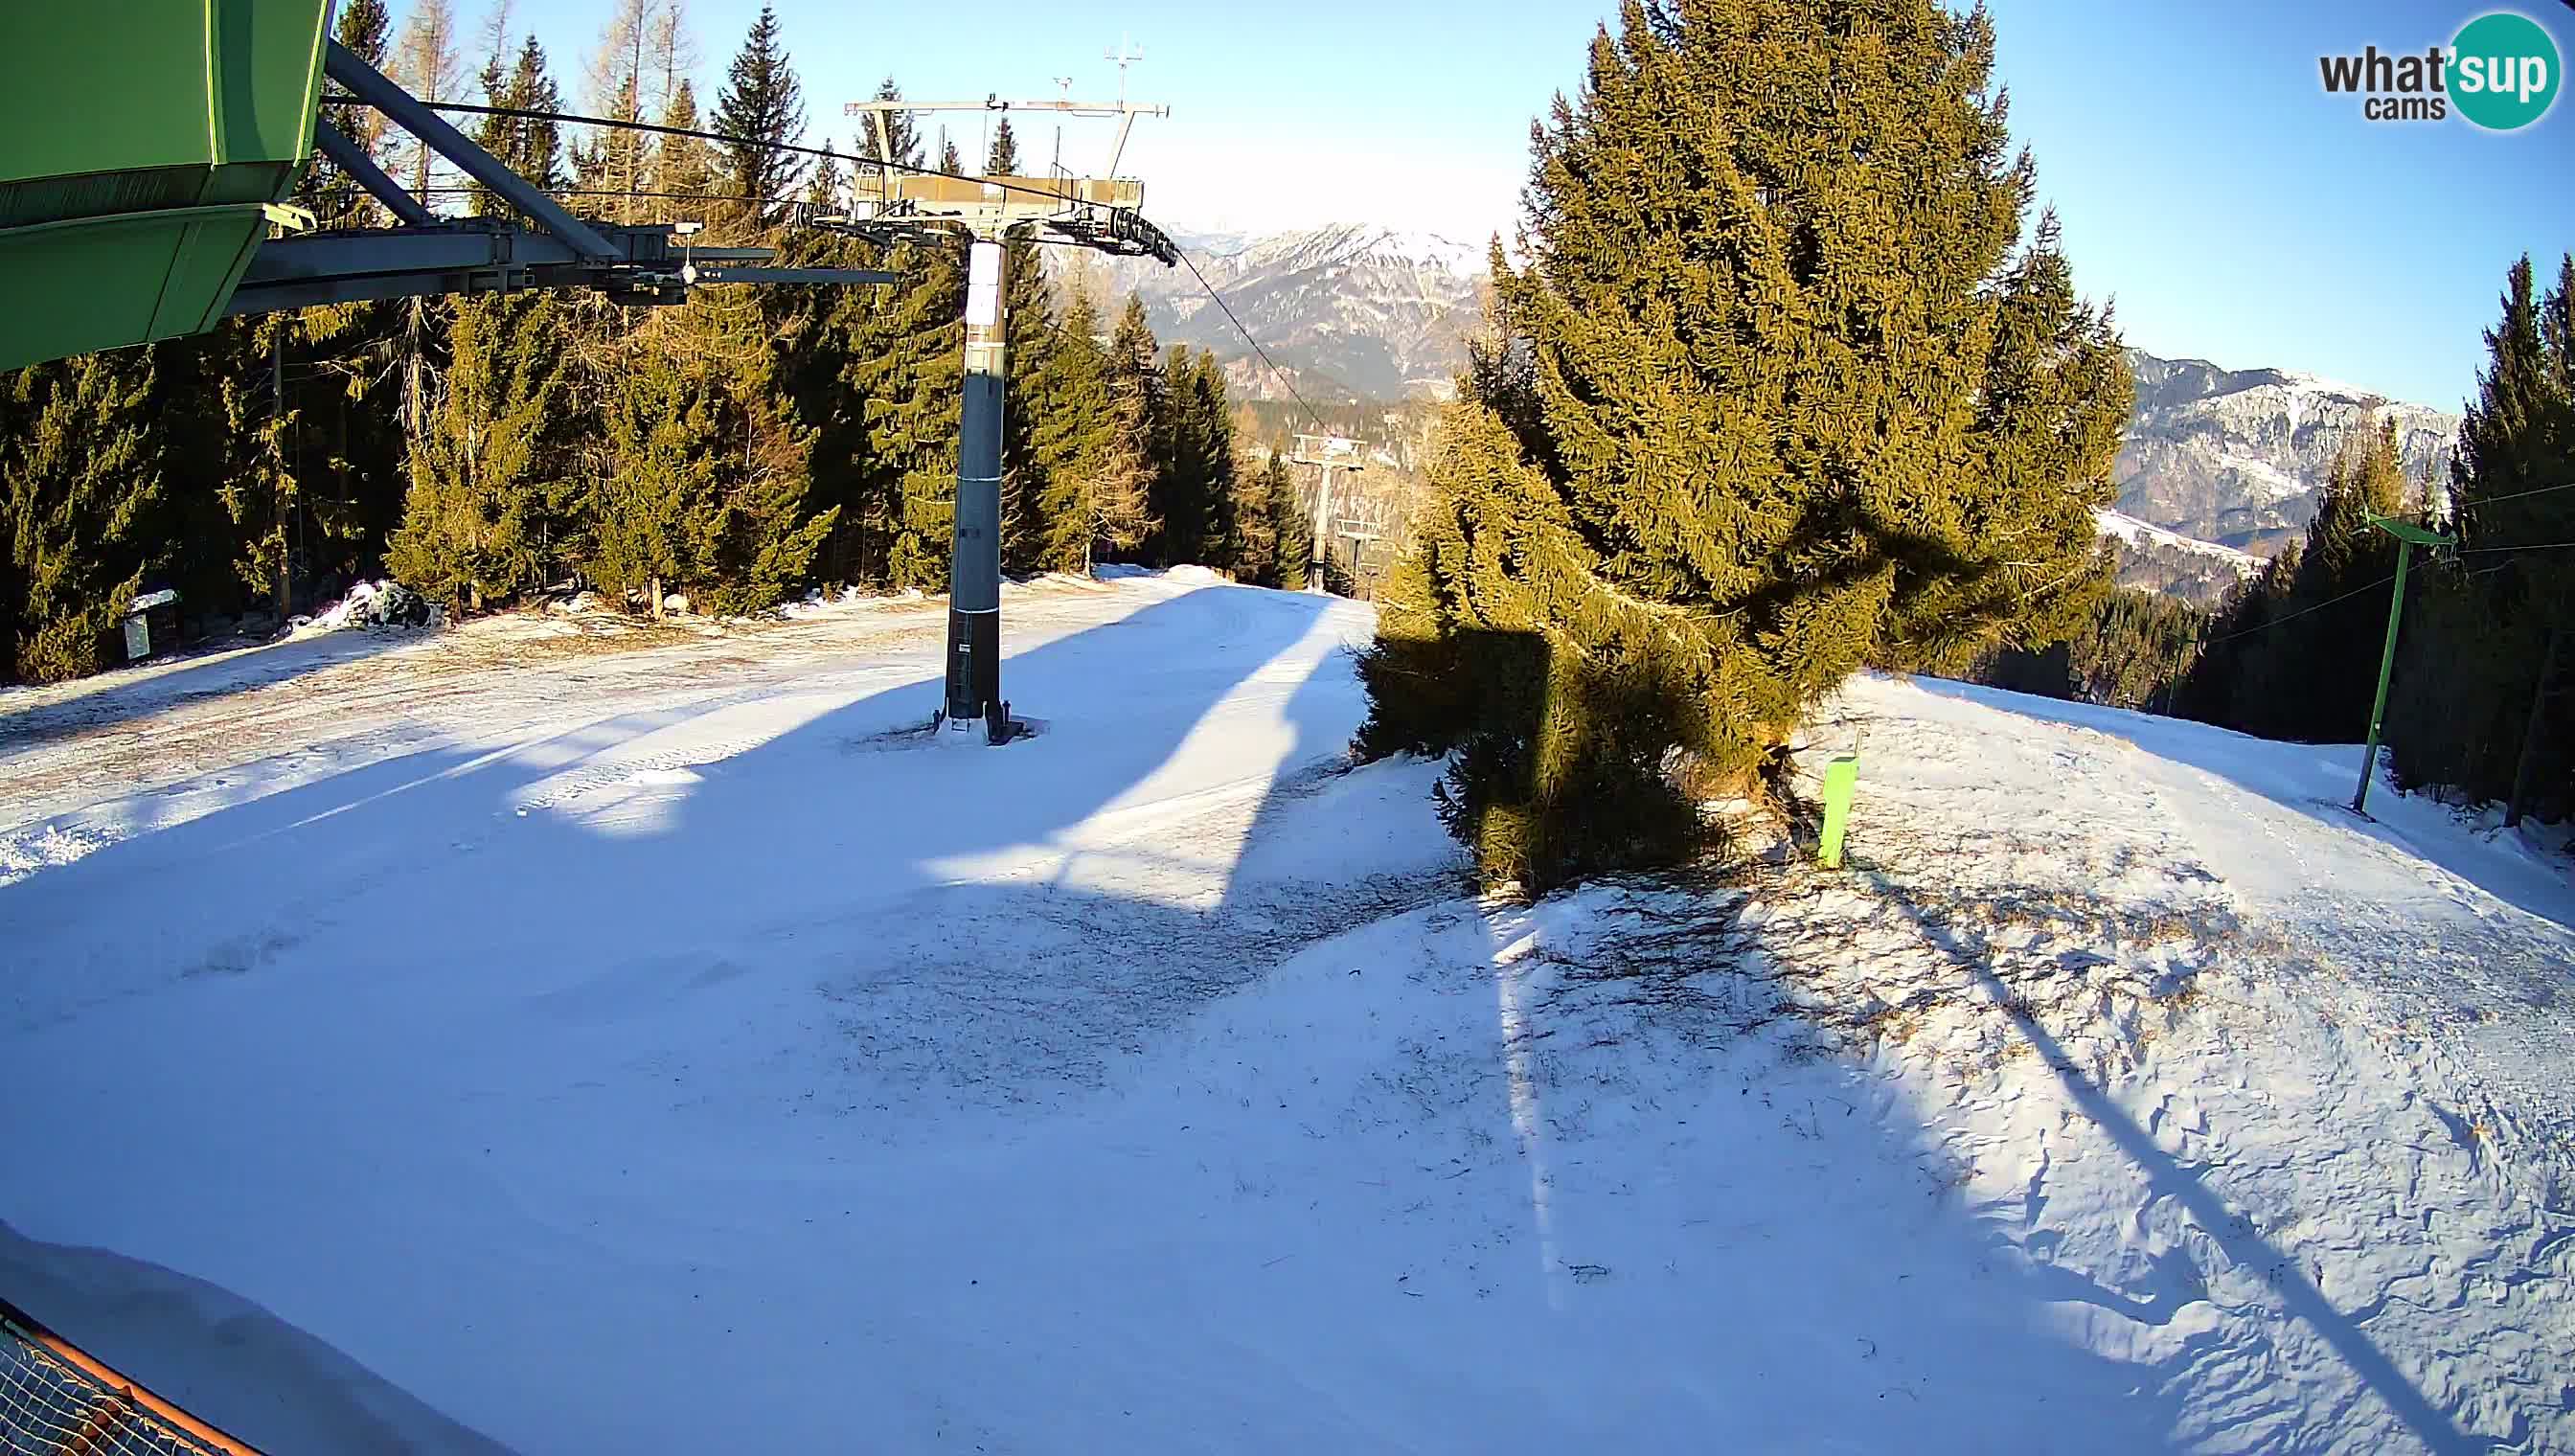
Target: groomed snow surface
556 1035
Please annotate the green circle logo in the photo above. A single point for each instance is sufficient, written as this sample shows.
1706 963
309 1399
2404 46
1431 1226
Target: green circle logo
2503 71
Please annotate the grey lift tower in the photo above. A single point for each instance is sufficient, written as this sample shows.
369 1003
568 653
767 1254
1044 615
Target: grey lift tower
1098 213
1331 452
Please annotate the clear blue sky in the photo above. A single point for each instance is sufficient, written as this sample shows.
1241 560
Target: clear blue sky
2208 184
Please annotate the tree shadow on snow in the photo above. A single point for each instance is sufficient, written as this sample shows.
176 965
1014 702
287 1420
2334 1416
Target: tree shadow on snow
2235 1233
512 985
122 694
384 944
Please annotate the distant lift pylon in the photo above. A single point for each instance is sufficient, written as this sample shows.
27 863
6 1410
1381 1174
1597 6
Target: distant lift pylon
1090 212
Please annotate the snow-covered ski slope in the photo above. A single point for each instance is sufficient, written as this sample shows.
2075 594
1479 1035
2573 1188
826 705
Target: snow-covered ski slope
515 1038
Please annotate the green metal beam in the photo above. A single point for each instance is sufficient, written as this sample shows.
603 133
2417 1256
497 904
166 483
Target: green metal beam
2408 532
2408 536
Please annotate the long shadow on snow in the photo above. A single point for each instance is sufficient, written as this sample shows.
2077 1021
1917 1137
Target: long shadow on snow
1000 967
819 865
437 895
845 835
120 695
2231 1231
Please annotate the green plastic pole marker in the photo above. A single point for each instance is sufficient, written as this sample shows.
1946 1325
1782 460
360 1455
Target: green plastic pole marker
2408 536
1841 776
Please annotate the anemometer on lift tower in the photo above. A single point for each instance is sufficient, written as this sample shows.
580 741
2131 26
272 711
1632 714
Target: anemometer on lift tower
892 204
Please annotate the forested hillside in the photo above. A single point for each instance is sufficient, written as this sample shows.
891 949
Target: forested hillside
2477 708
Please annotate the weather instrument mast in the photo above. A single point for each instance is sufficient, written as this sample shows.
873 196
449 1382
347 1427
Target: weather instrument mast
890 204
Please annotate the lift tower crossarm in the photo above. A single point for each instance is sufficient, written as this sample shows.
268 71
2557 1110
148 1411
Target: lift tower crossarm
369 85
995 103
1124 111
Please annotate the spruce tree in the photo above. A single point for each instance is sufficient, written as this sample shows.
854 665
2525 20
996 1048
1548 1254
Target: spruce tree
762 108
2513 485
656 472
2316 673
1178 494
259 484
351 439
540 154
820 336
81 466
684 168
852 360
906 370
531 148
823 189
1028 334
489 461
1069 445
700 479
1784 387
493 134
1255 547
1124 484
2237 680
901 142
1211 418
1291 528
758 532
2132 655
1195 485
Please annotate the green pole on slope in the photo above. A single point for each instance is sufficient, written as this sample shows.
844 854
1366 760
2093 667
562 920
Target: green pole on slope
2408 536
1841 778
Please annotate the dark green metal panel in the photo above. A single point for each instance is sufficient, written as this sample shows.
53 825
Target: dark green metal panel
145 138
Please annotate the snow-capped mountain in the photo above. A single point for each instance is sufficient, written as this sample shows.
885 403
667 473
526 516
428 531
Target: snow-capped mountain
2236 455
1352 311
